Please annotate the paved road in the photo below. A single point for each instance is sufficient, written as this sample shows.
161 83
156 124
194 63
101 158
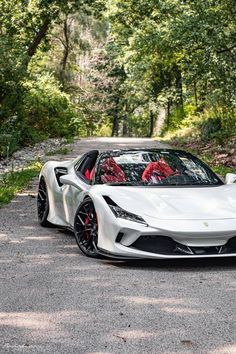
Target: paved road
54 300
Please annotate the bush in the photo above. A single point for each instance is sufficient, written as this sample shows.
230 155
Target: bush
45 108
174 121
41 111
9 137
210 128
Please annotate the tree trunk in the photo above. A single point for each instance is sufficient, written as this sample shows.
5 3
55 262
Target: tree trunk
168 112
202 97
66 45
40 35
179 88
151 124
125 126
125 121
115 126
195 94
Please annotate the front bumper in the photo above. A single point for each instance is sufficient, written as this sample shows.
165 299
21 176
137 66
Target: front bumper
120 238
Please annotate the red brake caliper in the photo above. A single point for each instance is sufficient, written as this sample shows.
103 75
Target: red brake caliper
87 233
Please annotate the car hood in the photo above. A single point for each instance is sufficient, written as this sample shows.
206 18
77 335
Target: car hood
177 203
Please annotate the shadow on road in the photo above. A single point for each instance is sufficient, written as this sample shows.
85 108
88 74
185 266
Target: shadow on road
185 265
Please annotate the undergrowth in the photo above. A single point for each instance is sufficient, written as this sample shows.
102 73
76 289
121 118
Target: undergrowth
14 182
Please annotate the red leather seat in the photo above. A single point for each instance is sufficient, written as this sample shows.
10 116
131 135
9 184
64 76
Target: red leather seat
156 170
89 174
92 173
111 172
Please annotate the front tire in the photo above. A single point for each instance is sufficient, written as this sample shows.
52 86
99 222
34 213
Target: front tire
43 203
86 229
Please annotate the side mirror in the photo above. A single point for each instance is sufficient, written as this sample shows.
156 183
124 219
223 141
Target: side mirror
69 180
230 178
74 181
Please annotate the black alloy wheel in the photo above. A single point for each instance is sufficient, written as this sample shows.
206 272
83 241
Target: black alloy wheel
43 203
86 229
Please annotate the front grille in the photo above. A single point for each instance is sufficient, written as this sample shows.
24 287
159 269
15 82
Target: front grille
166 245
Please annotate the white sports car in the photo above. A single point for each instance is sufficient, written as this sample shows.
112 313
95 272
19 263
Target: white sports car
140 203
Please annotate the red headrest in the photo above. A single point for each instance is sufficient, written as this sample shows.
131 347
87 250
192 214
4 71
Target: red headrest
160 169
111 171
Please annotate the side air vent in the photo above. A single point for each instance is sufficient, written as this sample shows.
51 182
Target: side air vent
60 171
119 237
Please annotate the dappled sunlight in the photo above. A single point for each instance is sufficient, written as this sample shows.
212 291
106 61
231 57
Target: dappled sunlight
88 279
3 261
29 320
29 227
41 238
139 300
74 247
45 324
136 334
226 349
183 310
3 237
177 306
99 352
40 259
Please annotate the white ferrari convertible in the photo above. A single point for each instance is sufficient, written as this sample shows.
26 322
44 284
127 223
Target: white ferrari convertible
140 203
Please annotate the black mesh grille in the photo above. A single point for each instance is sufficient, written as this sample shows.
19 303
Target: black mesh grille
166 245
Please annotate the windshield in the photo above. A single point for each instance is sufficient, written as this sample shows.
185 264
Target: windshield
154 168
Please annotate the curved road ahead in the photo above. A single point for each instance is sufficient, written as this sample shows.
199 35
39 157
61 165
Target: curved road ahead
54 300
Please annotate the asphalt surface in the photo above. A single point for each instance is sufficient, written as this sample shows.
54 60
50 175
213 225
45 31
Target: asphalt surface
55 300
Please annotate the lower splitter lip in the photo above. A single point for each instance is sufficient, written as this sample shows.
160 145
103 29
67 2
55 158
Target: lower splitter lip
127 253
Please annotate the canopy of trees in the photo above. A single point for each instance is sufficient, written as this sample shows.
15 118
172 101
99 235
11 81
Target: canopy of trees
132 68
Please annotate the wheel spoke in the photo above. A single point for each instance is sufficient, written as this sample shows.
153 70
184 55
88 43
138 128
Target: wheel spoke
82 213
87 229
82 222
43 198
42 191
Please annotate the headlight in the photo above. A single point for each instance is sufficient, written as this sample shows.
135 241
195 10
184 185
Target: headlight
123 214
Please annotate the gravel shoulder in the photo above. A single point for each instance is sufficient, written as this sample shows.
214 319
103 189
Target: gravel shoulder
55 300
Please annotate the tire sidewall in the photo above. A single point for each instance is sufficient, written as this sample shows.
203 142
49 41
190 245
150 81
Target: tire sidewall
44 221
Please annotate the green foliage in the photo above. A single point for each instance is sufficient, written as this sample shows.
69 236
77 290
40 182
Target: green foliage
46 108
210 128
42 111
33 102
9 143
174 121
101 67
176 53
104 130
14 182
